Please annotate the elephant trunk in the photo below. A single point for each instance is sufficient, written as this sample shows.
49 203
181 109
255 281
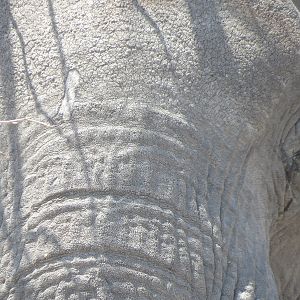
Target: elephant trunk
119 213
144 201
140 203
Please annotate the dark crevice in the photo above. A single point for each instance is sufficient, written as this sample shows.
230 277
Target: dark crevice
288 205
292 165
284 243
154 25
297 3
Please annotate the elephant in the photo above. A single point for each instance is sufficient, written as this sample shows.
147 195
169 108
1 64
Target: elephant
151 149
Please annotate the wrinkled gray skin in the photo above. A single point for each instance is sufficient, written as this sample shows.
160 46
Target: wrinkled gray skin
172 160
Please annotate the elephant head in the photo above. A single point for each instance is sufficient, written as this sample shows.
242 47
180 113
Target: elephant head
171 160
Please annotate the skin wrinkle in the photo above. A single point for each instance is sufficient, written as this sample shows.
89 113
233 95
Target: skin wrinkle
206 198
222 199
284 230
94 158
38 107
240 182
11 226
77 143
229 167
37 104
202 239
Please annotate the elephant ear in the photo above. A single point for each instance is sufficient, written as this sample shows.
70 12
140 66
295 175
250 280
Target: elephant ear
285 233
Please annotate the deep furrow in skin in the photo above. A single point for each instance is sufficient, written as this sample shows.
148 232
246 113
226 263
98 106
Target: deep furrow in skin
78 258
124 188
110 200
116 245
231 236
117 267
166 125
101 229
136 236
121 136
158 156
229 188
171 192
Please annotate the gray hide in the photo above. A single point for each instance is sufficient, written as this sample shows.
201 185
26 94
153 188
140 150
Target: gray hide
172 159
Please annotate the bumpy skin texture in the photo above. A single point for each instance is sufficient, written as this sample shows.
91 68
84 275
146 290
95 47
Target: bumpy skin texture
163 173
285 234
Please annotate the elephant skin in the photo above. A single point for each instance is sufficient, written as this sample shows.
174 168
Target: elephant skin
166 169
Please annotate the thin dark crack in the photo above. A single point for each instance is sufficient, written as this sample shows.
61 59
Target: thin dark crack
288 205
154 25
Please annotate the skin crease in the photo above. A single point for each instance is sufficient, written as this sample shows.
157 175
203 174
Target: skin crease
163 174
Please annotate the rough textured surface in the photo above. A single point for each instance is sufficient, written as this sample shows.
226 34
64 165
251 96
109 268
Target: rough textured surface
165 174
285 234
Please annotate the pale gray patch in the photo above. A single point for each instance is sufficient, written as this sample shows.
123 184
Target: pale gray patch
248 293
70 94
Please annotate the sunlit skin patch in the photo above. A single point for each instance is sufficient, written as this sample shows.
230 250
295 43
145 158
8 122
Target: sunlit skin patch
163 158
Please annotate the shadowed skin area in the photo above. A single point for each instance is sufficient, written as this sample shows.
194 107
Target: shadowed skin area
297 3
168 171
